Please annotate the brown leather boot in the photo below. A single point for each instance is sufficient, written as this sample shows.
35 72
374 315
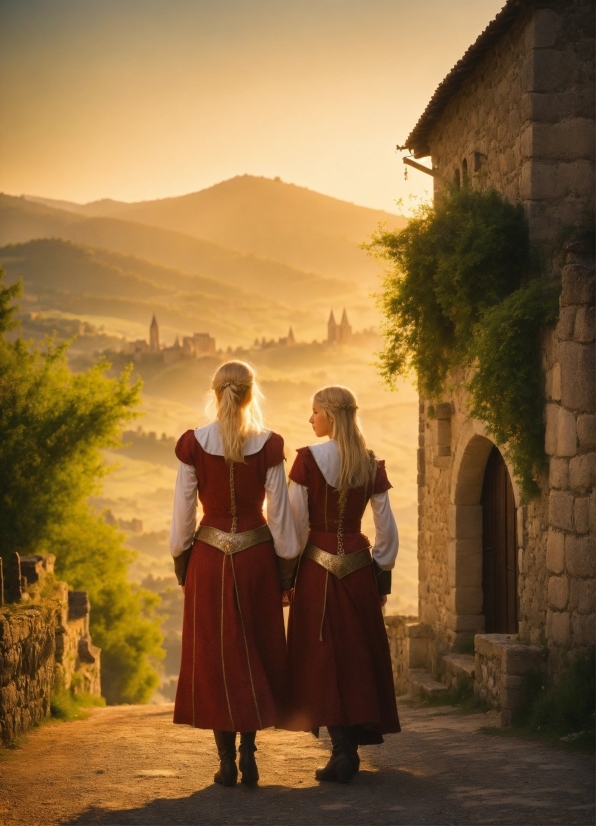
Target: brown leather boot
226 749
247 762
341 766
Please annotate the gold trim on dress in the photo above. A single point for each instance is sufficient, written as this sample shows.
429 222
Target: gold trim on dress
223 660
233 543
339 566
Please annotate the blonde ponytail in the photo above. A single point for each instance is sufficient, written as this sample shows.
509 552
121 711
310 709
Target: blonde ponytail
357 464
235 404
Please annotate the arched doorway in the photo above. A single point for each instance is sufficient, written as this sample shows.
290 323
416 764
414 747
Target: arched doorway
499 548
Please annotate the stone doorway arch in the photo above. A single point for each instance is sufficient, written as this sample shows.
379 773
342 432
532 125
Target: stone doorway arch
466 596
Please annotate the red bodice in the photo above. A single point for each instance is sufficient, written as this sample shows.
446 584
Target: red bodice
323 504
216 479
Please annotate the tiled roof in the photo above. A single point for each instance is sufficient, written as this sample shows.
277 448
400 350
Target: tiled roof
417 140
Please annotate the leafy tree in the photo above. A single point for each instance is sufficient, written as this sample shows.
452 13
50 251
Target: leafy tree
54 424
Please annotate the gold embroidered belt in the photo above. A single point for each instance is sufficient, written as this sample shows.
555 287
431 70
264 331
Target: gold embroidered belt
233 543
339 566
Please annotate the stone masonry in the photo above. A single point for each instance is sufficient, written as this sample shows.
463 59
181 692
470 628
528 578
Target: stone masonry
44 646
516 114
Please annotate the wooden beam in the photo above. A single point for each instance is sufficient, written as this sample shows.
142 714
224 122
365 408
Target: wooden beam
420 168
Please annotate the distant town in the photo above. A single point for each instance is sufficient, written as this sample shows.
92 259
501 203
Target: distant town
203 344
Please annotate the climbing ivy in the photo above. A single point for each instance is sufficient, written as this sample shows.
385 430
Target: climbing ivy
462 290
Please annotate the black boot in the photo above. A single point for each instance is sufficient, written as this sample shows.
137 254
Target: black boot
353 736
226 748
341 767
247 762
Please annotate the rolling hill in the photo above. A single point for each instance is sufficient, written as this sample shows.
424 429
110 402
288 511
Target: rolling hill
90 282
22 220
265 217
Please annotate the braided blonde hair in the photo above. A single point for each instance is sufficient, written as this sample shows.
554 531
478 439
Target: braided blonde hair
357 464
235 404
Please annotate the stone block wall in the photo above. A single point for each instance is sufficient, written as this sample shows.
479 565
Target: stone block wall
27 656
44 646
570 445
500 670
408 645
523 122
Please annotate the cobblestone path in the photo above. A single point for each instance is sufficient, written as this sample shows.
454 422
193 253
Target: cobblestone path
130 765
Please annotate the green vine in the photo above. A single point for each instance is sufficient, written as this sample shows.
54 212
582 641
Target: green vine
462 291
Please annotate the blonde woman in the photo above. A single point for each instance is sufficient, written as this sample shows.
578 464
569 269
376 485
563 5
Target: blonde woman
233 675
340 666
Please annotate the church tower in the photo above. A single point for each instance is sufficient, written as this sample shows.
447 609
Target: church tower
154 336
331 329
344 330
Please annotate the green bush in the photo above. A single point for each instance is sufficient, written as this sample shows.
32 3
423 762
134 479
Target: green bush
462 292
53 426
562 706
67 706
506 388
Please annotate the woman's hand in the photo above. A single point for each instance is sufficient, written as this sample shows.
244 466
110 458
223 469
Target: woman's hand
287 596
383 599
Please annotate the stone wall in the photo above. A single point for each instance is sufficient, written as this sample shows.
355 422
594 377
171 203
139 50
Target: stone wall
27 656
523 122
45 646
570 438
501 667
408 645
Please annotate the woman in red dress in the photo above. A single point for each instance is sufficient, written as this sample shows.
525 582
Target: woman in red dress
340 666
234 669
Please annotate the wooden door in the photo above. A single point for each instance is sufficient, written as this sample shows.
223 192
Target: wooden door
499 548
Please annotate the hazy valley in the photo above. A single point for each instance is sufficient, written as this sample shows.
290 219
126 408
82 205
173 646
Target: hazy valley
243 261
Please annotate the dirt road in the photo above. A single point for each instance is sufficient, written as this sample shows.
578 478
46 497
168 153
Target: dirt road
130 765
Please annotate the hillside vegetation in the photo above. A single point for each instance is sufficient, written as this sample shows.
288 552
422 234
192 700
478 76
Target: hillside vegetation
291 224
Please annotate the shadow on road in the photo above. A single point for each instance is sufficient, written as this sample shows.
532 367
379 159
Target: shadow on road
375 797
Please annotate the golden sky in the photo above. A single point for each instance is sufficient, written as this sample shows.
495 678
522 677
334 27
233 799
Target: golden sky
142 99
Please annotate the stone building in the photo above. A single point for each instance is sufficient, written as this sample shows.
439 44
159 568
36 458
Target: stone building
154 336
513 581
339 333
195 346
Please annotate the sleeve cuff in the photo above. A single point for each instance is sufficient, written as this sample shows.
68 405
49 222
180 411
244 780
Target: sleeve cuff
286 569
383 579
181 564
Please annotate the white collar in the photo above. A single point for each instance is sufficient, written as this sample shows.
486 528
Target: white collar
326 455
209 438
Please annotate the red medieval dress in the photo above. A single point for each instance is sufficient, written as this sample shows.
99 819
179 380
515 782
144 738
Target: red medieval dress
340 665
234 670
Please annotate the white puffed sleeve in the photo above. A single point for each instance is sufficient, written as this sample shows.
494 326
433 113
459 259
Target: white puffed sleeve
299 504
386 544
279 515
184 517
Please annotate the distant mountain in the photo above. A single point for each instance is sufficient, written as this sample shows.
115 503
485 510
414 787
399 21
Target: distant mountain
89 281
265 217
22 220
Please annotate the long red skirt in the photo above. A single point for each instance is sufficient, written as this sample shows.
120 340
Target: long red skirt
234 671
345 678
